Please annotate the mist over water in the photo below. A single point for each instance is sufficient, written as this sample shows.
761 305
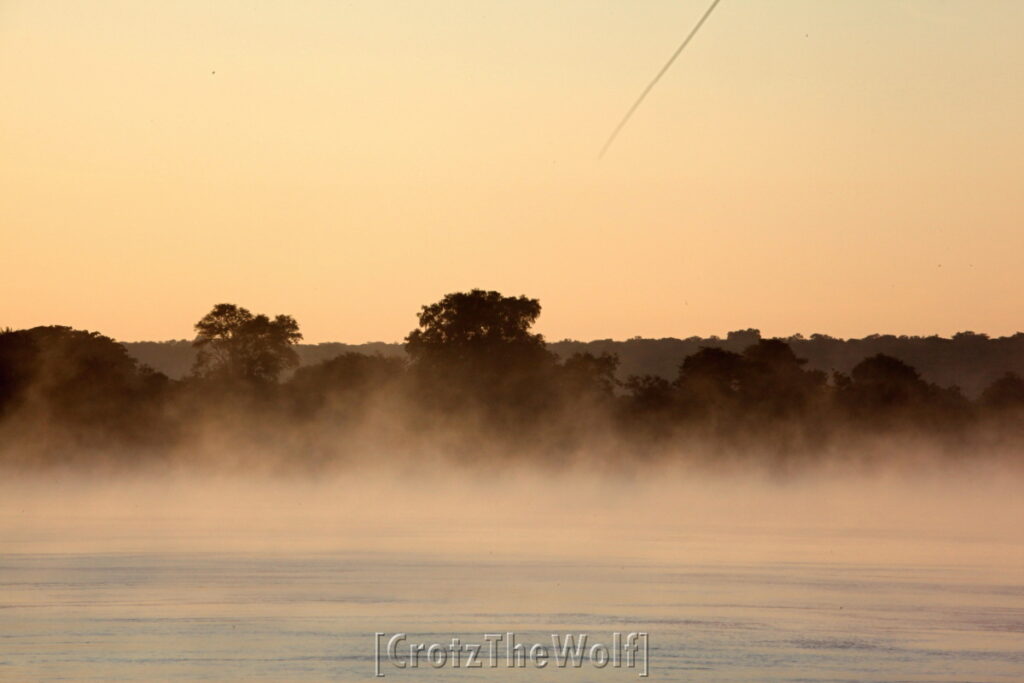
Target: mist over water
252 192
891 574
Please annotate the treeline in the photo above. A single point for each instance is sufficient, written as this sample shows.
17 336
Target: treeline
474 380
969 360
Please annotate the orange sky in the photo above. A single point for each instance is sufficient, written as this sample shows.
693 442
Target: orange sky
841 167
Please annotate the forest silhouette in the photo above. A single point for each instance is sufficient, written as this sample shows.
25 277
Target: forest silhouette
475 382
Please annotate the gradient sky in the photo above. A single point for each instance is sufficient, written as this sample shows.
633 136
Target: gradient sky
806 166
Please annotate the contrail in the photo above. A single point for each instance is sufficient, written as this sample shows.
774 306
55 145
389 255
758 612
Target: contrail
625 119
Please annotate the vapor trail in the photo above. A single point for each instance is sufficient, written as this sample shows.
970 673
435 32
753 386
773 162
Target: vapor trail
668 64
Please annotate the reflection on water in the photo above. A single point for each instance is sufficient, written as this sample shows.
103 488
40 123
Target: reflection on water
127 598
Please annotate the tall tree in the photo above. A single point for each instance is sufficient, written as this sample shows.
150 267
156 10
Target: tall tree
477 347
235 345
464 324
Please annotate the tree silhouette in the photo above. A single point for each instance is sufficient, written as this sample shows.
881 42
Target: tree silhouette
236 346
649 406
78 380
476 369
586 376
773 381
347 381
476 348
890 393
465 324
1006 393
882 381
710 379
18 353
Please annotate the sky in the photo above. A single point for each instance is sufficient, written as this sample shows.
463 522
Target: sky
838 167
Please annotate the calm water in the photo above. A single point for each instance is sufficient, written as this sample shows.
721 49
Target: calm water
161 597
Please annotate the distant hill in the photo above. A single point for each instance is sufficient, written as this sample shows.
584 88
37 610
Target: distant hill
968 360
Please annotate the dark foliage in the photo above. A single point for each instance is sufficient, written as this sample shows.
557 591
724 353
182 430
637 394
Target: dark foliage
343 383
474 367
56 382
235 346
474 351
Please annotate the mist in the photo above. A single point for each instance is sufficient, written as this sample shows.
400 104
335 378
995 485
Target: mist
757 518
642 513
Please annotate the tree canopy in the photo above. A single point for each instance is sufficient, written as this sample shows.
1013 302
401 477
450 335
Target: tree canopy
234 344
475 368
466 323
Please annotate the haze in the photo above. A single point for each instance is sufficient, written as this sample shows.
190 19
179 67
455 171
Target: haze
737 579
895 516
846 168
